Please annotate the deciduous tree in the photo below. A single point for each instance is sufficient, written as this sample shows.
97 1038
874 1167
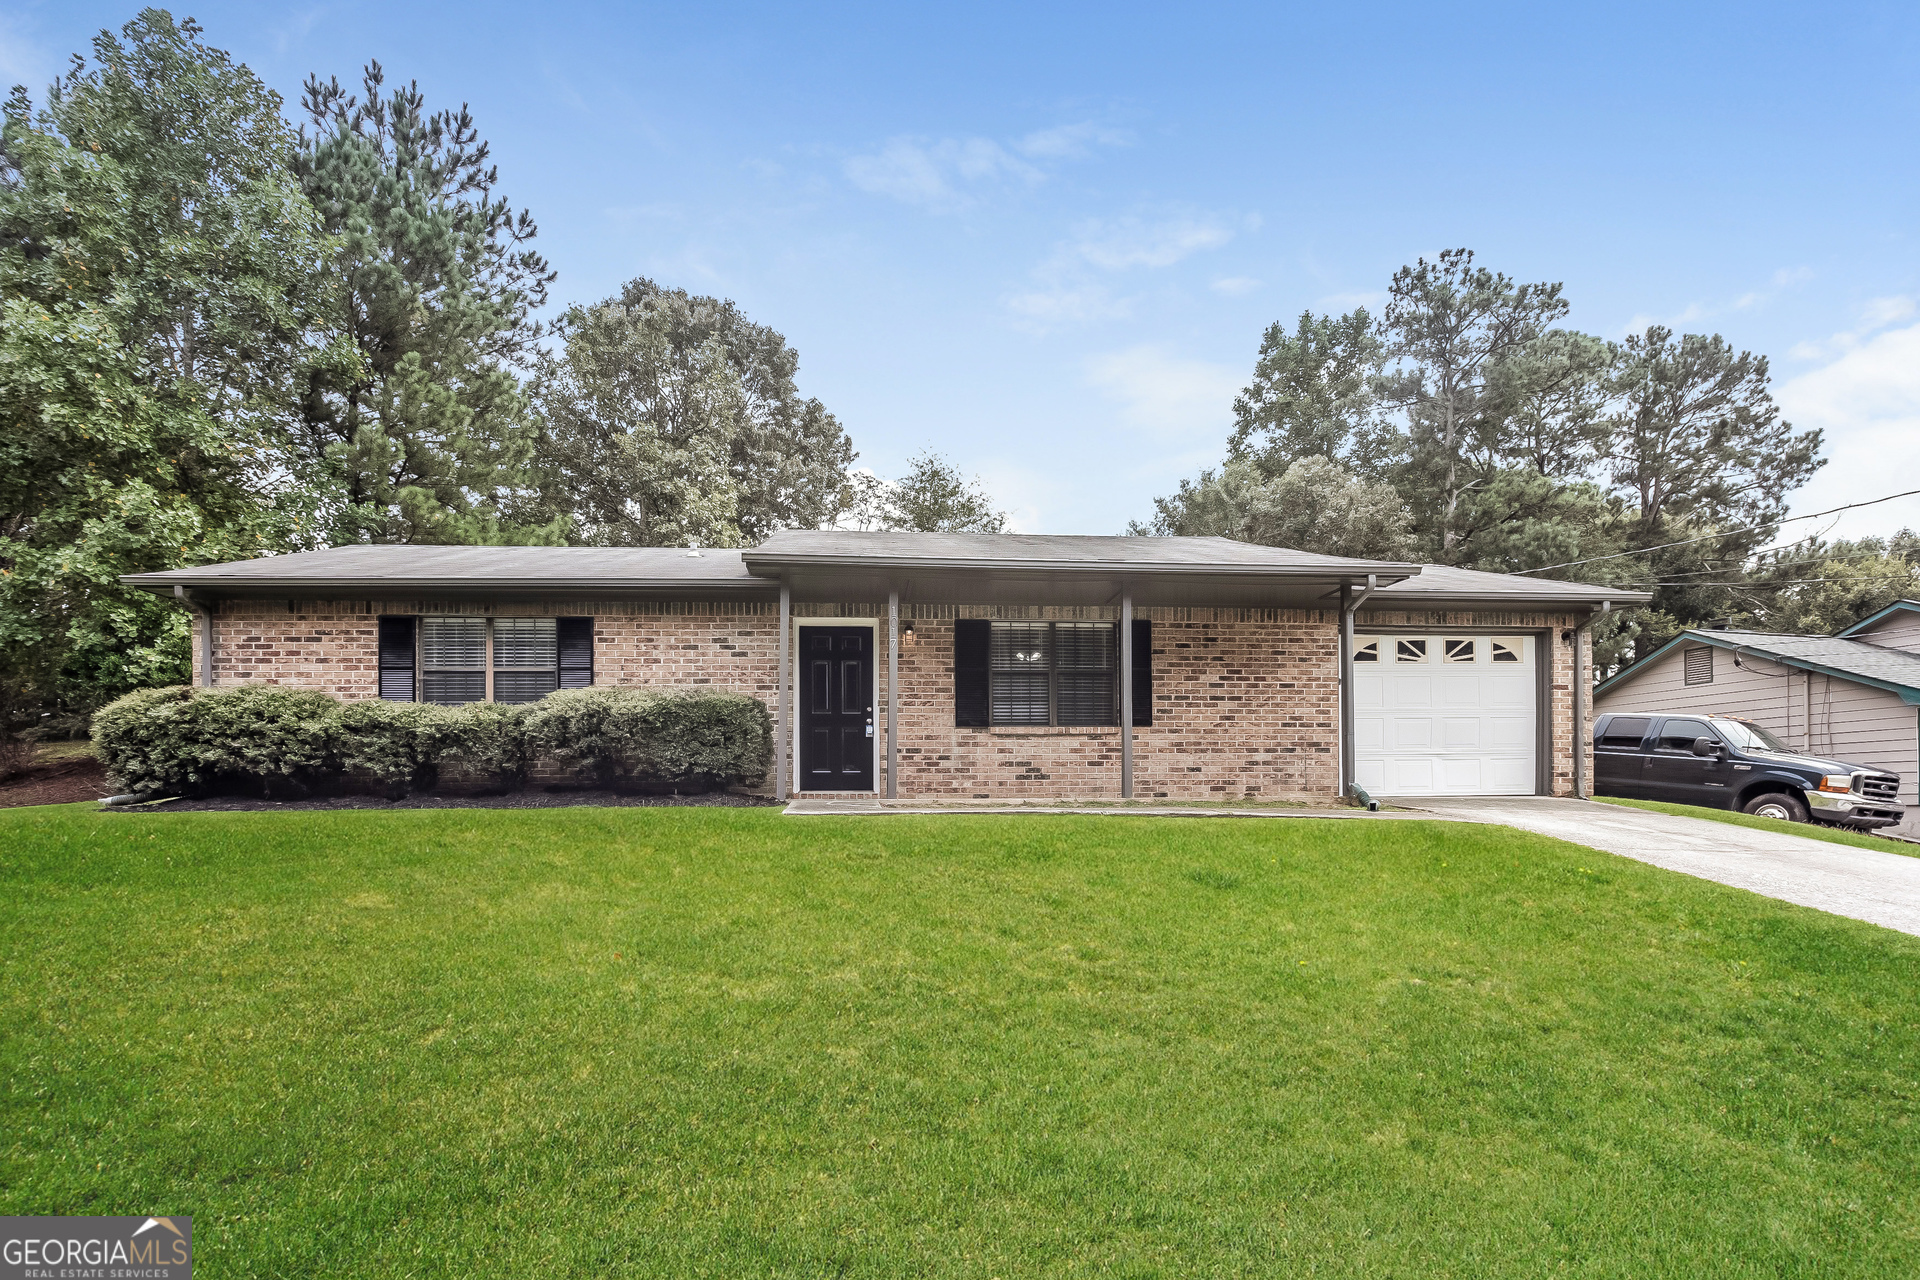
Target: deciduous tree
161 304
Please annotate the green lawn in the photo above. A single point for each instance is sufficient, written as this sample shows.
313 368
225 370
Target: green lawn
727 1043
1811 830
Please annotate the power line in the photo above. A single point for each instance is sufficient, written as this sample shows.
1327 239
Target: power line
1767 565
1751 583
1724 533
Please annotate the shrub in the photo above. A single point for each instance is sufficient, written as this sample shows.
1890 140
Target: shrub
702 735
600 730
281 741
489 741
200 740
653 735
393 746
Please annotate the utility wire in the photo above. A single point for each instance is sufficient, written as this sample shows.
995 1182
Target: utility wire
1788 582
1724 533
1768 565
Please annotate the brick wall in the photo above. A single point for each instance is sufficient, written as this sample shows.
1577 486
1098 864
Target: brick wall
1245 701
1245 704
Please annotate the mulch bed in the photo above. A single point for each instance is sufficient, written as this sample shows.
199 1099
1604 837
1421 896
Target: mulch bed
512 800
60 782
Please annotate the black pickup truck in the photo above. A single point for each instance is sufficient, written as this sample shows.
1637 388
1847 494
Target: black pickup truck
1720 762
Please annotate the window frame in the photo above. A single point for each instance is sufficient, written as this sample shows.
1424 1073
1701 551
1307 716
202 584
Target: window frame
567 674
484 670
495 667
1053 672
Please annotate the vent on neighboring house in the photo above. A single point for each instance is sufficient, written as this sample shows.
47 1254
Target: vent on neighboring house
1700 666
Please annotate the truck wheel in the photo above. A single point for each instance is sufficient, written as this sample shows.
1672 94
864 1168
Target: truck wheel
1777 805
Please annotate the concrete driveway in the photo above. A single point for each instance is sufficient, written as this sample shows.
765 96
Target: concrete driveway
1867 884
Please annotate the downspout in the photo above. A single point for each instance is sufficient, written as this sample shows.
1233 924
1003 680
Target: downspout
1580 736
206 633
1349 605
783 707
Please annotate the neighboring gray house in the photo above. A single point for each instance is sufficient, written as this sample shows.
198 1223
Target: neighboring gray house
1854 696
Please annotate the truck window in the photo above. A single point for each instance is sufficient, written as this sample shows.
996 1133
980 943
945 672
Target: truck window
1623 732
1678 735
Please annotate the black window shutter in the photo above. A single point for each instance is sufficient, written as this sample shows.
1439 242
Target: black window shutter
971 650
576 651
1142 672
396 659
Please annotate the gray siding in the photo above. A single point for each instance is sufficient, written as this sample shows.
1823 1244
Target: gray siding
1896 631
1853 722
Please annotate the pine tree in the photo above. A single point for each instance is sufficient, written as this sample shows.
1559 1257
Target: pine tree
429 437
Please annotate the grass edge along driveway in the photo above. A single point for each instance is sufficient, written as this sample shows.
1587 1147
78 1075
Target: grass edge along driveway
1811 830
720 1042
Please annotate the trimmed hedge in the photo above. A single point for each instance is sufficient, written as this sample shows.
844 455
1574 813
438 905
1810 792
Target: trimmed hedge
290 742
667 735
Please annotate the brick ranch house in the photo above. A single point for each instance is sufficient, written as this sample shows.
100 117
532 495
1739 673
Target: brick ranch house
968 665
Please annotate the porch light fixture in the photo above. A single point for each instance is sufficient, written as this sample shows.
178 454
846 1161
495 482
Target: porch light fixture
906 636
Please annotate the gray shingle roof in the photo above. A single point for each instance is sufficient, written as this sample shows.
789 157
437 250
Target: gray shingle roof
1043 550
1884 668
1191 570
1438 582
395 566
1828 653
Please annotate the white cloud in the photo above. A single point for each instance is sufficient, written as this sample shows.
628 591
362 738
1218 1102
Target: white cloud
1236 285
1875 316
937 175
1784 278
1071 281
948 174
1167 395
1117 244
1868 403
1053 306
1070 141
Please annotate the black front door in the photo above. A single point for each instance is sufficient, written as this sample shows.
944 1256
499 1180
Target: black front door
836 709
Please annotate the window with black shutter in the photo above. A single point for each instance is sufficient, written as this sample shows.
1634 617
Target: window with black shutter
576 652
1047 673
396 659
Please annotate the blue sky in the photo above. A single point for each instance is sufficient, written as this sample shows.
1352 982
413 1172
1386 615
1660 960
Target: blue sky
1045 239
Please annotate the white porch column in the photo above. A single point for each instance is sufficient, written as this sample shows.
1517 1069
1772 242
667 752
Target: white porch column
893 694
1126 693
783 703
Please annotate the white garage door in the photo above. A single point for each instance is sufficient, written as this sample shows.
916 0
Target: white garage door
1444 715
